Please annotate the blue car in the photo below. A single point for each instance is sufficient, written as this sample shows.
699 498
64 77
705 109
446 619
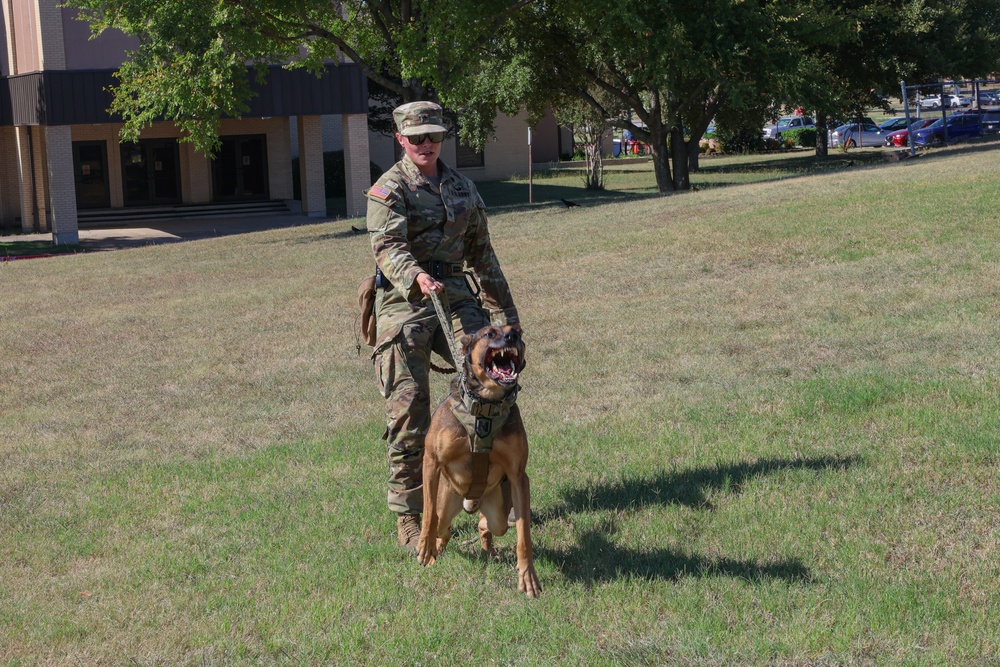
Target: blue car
960 126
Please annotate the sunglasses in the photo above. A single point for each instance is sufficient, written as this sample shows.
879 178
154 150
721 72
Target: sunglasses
435 137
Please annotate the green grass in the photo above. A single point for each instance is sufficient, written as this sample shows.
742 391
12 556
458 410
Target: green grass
11 247
762 421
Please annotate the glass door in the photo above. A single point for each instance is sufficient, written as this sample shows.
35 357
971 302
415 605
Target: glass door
90 173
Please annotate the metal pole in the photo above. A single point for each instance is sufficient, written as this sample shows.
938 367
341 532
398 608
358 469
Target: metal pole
944 115
531 199
906 112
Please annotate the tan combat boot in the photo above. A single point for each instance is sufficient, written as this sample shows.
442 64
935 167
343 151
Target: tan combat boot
408 529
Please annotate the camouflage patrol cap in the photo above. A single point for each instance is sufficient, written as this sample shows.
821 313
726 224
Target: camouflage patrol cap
419 118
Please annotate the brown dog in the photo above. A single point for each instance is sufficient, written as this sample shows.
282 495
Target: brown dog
494 357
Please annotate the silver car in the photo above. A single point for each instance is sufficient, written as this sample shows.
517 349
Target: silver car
788 123
856 135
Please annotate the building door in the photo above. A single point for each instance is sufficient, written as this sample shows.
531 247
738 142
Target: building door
151 172
90 172
239 171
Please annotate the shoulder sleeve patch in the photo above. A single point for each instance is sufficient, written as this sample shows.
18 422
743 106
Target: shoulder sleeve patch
380 191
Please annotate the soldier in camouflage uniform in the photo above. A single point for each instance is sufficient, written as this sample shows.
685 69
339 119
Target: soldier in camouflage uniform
428 226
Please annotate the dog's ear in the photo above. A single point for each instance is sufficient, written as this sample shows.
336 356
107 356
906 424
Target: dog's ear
463 343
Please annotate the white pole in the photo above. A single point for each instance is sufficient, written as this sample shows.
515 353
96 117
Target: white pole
530 175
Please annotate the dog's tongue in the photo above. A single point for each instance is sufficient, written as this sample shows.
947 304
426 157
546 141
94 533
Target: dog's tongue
505 372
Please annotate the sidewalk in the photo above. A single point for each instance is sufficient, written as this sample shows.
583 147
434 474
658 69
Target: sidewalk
175 231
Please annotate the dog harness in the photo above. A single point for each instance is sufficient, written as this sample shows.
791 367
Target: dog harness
482 420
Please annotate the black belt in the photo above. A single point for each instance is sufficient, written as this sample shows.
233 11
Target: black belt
436 270
439 270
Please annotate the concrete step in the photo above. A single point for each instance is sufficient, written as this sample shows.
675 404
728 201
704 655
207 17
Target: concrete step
109 217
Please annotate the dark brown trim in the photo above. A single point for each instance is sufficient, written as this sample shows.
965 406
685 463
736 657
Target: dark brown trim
74 97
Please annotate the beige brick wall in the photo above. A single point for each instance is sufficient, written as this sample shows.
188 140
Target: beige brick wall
109 134
50 35
10 180
196 168
61 188
20 18
356 164
505 155
31 151
311 166
279 154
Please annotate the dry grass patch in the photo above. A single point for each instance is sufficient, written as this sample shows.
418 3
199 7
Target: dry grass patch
762 423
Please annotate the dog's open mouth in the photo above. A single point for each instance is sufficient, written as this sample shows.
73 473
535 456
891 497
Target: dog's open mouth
501 365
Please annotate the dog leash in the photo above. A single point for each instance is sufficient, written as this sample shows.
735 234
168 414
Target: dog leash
442 314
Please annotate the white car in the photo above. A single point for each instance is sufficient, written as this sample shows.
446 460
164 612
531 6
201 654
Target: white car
788 123
857 135
950 101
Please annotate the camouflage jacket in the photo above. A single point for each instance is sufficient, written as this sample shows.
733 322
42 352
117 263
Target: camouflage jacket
412 222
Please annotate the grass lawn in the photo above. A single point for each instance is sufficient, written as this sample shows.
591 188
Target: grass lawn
763 422
11 247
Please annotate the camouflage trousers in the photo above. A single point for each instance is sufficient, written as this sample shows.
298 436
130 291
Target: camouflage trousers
402 369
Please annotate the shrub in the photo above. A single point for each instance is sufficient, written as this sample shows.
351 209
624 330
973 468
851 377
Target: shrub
741 139
804 136
334 181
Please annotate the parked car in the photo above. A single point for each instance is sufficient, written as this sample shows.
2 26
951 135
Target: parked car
960 126
893 124
835 124
990 121
900 137
949 101
788 123
857 135
989 98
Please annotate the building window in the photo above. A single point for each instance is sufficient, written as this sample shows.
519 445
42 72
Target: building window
466 156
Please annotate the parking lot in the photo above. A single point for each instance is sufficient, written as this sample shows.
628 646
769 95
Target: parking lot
934 120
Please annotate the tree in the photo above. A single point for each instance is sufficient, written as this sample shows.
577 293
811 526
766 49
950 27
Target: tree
853 53
592 127
191 65
672 62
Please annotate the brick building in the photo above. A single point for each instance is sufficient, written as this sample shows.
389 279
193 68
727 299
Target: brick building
63 165
61 157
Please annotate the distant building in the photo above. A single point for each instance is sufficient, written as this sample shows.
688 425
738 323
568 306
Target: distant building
62 163
60 153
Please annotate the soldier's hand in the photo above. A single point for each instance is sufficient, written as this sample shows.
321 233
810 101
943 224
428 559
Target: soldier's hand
428 284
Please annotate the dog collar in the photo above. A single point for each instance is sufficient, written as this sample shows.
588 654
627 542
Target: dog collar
482 418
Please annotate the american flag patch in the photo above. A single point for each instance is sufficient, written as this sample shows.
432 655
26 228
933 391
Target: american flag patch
380 192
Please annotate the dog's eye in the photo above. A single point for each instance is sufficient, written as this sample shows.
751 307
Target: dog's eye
492 333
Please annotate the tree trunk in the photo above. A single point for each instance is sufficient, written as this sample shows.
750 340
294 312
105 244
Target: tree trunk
693 159
679 156
661 164
595 165
822 139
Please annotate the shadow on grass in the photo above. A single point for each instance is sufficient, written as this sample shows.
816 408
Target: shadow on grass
688 488
507 195
349 233
795 165
596 559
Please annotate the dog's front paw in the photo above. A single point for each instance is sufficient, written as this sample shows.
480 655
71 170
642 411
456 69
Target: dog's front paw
427 552
527 582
